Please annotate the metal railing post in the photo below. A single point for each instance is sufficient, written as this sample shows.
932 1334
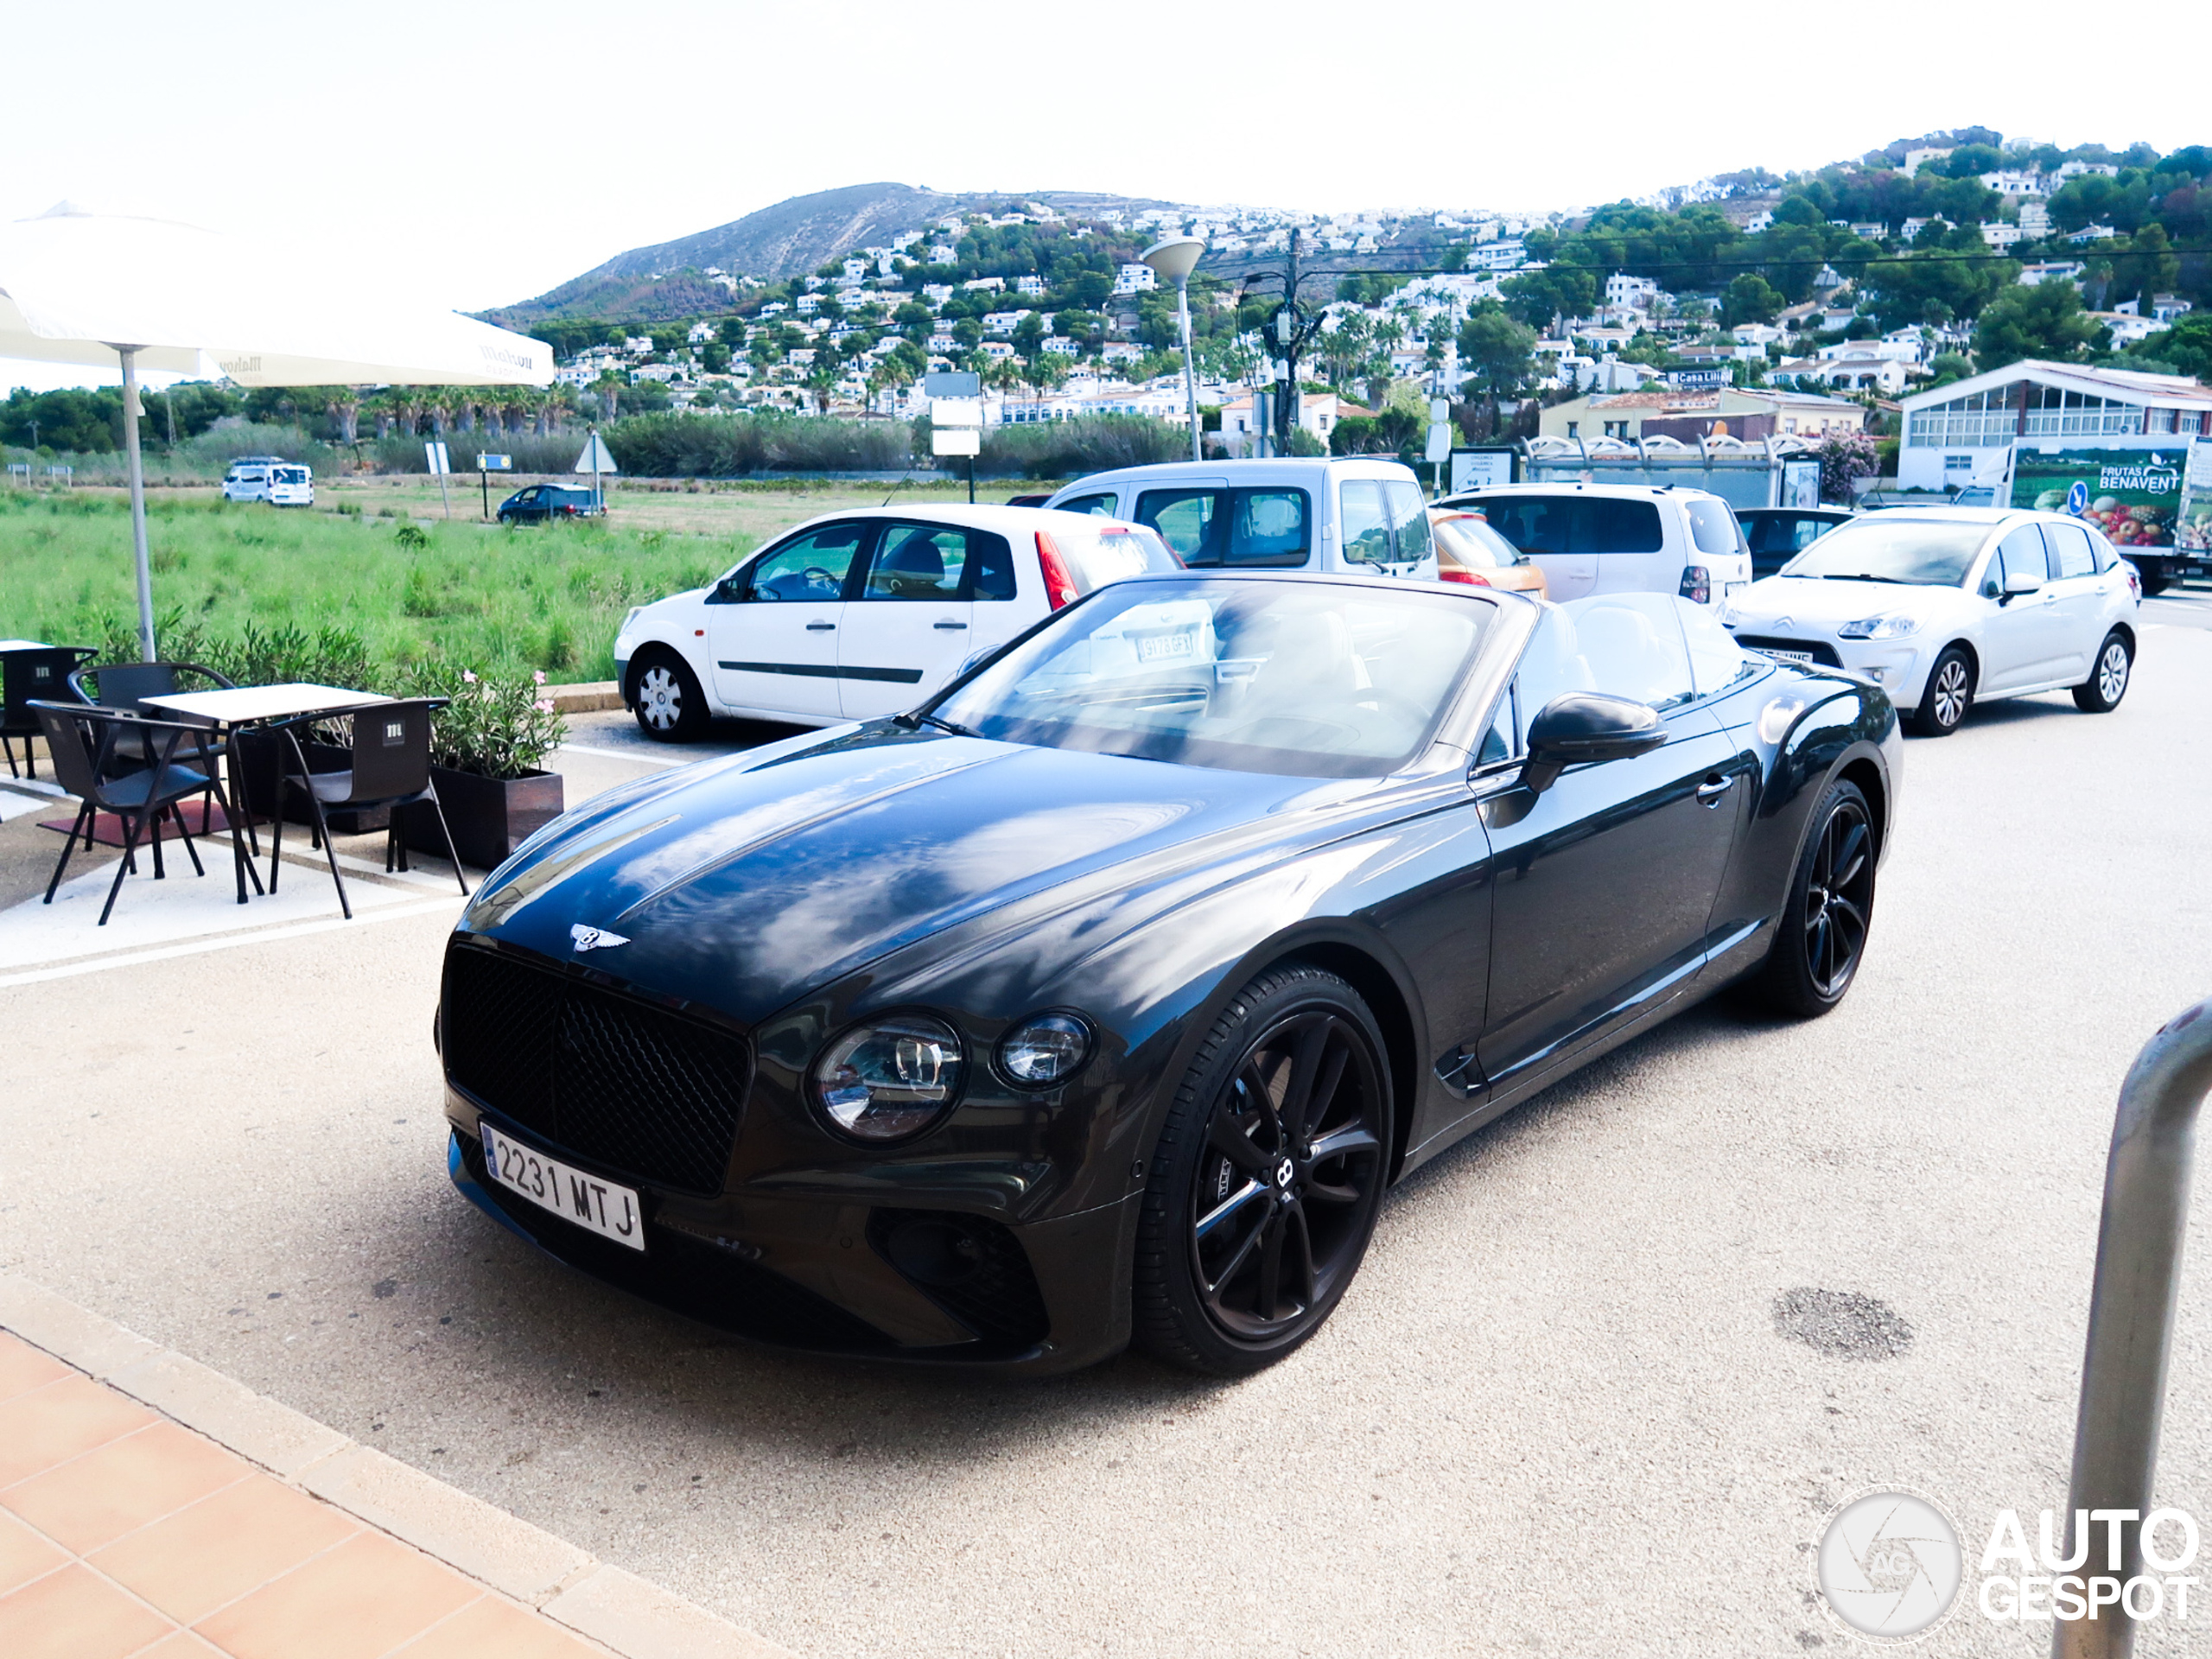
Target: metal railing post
2131 1313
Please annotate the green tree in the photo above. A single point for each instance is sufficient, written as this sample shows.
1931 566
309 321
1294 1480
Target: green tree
1497 350
2046 321
2187 345
1749 298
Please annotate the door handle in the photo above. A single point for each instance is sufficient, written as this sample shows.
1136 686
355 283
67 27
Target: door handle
1710 792
949 626
821 627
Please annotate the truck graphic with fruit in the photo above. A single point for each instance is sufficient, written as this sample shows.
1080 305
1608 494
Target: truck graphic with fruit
2135 490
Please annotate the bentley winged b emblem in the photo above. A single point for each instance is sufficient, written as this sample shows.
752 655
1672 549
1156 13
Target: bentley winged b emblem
594 939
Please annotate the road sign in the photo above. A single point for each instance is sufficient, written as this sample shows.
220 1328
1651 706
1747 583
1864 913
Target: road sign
956 441
436 454
1440 441
596 457
495 463
952 383
956 412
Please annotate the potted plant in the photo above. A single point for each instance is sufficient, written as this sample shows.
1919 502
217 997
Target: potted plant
487 749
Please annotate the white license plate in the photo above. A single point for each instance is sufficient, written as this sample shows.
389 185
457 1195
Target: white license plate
591 1203
1733 588
1789 656
1163 647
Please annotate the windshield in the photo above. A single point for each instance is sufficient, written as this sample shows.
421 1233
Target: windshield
1921 552
1301 679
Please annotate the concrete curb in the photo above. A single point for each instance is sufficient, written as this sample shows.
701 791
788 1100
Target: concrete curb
586 697
620 1611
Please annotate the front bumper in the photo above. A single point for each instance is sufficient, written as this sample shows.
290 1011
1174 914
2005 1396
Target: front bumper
854 1279
1898 667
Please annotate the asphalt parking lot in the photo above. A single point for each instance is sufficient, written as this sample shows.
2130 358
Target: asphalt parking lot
1554 1415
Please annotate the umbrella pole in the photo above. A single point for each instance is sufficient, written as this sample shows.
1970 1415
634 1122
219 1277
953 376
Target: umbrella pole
130 356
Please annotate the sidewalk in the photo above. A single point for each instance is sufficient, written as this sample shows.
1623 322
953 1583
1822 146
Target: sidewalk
124 1530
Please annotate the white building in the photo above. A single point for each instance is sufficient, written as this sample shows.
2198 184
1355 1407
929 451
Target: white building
2017 181
2051 270
1915 159
1636 293
2035 219
1135 279
1962 433
1999 235
1033 286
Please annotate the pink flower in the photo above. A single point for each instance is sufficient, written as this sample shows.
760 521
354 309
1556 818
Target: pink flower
543 705
537 676
468 676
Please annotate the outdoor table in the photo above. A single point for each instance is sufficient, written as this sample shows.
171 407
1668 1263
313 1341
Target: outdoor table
23 644
236 708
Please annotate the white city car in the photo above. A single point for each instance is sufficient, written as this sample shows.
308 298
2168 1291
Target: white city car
1945 607
858 614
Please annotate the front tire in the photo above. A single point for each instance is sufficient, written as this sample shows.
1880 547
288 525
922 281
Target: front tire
1820 935
669 704
1267 1178
2107 683
1949 693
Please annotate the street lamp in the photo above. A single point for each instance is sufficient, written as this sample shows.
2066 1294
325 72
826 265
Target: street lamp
1174 258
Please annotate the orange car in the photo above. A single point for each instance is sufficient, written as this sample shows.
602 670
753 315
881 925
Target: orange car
1469 550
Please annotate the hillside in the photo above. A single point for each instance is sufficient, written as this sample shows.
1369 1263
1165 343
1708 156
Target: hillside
655 283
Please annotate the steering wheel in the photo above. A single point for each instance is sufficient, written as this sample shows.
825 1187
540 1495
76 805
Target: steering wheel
815 576
1407 707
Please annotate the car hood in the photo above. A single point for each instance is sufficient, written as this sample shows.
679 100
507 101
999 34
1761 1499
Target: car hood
1820 602
744 884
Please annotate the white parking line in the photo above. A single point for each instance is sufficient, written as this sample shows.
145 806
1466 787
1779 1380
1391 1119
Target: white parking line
621 754
228 941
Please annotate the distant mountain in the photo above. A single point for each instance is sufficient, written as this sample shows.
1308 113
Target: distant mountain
793 236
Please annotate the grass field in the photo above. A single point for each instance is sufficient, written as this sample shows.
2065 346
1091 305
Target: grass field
471 594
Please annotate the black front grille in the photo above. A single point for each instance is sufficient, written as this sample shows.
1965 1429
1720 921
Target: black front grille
1819 650
626 1087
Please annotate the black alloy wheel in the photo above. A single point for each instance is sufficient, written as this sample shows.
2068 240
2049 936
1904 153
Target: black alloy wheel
2107 683
1821 934
1268 1179
1943 705
670 707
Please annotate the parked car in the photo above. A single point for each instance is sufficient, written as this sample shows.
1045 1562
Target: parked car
1356 515
536 502
290 484
863 613
1620 538
1943 606
247 479
1777 535
1102 996
1469 551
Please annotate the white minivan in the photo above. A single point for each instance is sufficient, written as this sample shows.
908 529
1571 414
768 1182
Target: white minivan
1620 538
290 484
248 478
1352 514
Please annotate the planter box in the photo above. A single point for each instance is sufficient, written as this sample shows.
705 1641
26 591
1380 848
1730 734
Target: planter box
489 816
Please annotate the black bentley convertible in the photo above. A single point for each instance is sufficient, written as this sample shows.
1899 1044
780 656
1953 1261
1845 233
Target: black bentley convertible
1100 999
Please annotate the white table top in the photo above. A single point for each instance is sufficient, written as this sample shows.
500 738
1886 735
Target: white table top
242 704
24 645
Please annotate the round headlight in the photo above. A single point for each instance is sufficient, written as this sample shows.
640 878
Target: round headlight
1045 1050
889 1079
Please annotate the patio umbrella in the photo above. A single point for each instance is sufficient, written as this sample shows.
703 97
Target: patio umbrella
88 287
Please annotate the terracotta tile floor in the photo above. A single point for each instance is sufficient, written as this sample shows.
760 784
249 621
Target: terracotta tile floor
122 1532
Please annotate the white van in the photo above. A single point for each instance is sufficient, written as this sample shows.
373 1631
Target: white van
1351 515
290 484
1620 538
248 478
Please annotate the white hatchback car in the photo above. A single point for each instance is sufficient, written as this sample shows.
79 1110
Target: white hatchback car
1620 538
864 614
1945 606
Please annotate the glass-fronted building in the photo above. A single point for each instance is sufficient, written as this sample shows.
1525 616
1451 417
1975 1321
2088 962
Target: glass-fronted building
1961 434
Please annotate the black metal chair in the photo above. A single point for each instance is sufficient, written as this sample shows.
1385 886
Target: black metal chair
26 676
391 768
123 687
82 742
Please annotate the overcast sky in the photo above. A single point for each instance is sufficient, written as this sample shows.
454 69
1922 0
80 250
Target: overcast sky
475 155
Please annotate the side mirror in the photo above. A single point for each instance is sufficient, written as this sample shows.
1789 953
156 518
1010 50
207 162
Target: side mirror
2018 582
1582 727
